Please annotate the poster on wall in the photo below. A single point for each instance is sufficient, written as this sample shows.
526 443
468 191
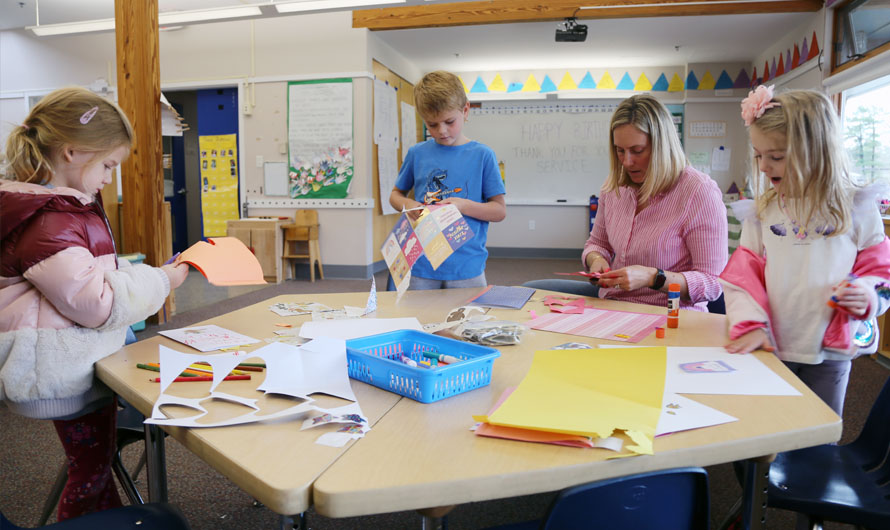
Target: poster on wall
319 134
219 182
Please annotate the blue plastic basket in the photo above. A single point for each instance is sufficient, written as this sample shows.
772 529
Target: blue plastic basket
376 360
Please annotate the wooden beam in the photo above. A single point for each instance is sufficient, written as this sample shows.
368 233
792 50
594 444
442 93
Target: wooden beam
513 11
139 95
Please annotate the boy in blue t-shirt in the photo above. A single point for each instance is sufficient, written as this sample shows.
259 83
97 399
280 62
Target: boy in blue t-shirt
450 169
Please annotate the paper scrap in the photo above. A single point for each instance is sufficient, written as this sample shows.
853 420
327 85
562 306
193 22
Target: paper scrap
224 261
208 338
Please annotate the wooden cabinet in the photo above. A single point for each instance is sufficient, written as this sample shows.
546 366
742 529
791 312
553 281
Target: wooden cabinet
263 238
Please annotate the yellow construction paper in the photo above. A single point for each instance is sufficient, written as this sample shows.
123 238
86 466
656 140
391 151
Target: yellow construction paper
497 84
466 89
531 84
590 393
707 82
676 84
643 83
606 82
567 83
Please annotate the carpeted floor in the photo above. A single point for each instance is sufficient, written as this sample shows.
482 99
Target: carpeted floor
30 454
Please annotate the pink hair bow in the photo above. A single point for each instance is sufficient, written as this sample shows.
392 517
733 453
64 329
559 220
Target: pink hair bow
758 101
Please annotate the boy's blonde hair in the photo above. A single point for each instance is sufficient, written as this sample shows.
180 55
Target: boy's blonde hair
439 92
667 159
62 118
816 169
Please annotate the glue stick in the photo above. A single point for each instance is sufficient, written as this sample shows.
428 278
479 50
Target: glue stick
674 305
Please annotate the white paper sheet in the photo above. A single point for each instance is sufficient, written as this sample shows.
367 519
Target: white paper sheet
358 327
208 338
680 413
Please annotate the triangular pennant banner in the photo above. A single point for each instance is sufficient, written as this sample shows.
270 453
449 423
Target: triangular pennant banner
772 69
497 84
742 80
707 82
766 76
781 68
754 80
814 48
547 85
626 83
691 81
514 87
606 82
795 59
531 84
643 83
479 87
466 89
724 81
804 51
567 83
587 81
661 84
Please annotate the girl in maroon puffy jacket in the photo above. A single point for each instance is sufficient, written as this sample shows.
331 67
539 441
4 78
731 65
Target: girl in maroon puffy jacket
65 300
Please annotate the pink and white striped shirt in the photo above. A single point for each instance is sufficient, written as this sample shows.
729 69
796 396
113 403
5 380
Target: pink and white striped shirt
683 230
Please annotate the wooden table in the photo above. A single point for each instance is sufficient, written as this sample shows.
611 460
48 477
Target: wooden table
420 456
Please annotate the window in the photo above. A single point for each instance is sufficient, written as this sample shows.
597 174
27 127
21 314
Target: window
866 126
860 27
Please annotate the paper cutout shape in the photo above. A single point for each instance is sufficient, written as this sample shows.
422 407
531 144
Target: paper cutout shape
795 59
621 326
772 69
742 80
754 79
606 82
547 85
354 328
528 435
661 84
587 82
707 82
531 84
643 83
559 392
497 84
766 72
567 83
514 87
723 82
208 338
781 68
680 413
479 87
788 66
466 88
289 309
676 83
814 48
804 51
224 261
626 82
437 233
691 81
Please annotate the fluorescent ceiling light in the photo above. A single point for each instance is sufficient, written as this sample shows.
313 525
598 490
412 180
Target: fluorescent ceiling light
86 26
317 5
200 15
164 19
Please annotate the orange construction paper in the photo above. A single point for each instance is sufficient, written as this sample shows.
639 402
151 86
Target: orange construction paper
224 261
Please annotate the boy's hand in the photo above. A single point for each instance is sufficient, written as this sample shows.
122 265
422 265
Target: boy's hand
459 202
852 297
753 340
176 274
413 214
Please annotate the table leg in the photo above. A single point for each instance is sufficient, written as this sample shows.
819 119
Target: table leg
432 517
754 492
156 463
293 522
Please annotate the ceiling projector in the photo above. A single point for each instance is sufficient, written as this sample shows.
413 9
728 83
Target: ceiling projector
571 31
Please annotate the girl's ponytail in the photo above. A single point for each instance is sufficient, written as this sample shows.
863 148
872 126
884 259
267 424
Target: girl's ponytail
25 160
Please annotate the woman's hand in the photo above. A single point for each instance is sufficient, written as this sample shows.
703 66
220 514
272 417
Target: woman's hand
753 340
629 278
853 298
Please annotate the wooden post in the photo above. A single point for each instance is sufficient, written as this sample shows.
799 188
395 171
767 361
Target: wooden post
139 95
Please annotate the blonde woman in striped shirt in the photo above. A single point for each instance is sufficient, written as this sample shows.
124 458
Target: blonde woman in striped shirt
659 220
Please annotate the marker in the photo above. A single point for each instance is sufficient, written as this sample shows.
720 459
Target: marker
441 357
171 260
408 361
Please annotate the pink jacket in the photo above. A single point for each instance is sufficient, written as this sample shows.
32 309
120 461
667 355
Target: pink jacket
64 303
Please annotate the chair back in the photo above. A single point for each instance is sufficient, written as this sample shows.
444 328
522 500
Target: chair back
874 439
306 217
672 498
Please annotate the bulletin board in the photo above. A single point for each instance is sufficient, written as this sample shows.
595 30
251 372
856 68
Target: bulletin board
219 181
551 152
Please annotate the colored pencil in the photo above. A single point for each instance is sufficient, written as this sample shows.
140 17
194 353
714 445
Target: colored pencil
201 378
201 368
184 372
247 367
158 369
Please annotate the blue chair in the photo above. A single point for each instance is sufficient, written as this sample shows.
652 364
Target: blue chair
673 498
845 483
155 516
717 306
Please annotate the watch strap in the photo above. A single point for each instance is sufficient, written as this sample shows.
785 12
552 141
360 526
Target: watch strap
660 278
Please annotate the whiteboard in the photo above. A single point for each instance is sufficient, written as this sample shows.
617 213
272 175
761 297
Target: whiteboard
552 152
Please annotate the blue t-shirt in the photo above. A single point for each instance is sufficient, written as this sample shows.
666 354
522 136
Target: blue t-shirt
472 168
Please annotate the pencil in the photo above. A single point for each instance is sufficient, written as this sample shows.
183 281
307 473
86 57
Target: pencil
259 365
202 378
201 368
185 372
247 367
158 369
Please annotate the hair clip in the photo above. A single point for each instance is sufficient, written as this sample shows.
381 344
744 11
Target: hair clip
758 101
25 126
88 115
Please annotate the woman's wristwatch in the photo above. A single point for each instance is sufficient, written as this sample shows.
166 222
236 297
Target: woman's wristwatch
660 278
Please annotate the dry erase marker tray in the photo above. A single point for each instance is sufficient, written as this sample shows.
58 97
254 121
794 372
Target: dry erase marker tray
378 360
